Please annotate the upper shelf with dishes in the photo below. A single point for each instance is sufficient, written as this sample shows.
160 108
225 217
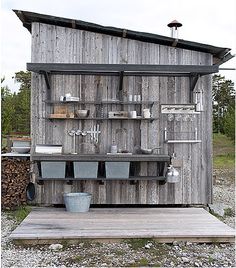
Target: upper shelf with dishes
193 72
118 102
62 111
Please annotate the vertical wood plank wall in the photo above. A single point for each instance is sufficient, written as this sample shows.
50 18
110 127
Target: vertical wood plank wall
51 44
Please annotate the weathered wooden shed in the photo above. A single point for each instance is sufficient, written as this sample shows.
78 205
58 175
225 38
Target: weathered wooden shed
103 68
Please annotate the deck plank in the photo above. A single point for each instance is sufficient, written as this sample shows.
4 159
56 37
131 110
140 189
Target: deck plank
44 225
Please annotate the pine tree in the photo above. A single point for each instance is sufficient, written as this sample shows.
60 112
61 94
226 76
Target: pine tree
7 109
15 108
223 93
22 102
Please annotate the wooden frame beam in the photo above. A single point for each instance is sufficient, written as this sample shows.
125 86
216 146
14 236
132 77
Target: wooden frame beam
121 81
193 81
47 79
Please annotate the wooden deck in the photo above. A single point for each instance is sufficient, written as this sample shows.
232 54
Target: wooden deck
50 225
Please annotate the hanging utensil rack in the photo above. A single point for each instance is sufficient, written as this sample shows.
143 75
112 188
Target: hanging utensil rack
195 140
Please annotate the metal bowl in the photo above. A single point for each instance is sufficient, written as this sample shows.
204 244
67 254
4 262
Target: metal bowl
146 151
82 113
149 151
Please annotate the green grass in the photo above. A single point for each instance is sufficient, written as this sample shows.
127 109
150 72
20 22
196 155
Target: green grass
210 259
119 252
20 213
3 143
218 217
229 212
223 152
143 262
224 161
78 258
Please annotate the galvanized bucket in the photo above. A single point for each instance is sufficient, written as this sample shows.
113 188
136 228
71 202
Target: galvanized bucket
77 202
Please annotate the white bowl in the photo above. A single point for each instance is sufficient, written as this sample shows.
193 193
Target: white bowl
20 150
82 113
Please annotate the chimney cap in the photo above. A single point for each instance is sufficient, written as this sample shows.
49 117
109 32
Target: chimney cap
175 24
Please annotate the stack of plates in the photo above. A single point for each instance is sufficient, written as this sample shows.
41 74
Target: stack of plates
48 149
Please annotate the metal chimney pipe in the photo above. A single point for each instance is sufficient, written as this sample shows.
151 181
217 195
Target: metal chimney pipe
174 25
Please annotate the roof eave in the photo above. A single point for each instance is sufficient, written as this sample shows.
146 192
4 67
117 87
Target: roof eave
220 54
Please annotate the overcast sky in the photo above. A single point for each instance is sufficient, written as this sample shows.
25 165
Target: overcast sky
205 21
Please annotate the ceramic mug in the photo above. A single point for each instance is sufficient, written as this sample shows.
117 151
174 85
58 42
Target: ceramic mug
132 114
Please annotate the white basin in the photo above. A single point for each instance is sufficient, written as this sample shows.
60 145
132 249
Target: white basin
20 150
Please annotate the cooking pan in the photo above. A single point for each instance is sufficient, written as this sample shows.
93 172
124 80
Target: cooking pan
30 191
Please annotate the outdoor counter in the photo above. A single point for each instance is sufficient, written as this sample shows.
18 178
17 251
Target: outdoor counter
101 157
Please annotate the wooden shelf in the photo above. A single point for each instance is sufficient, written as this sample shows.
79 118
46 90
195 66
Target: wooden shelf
127 69
129 102
121 70
100 118
101 157
102 102
132 178
196 140
183 141
101 180
71 102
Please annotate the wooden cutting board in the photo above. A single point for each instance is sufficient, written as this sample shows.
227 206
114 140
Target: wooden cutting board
60 109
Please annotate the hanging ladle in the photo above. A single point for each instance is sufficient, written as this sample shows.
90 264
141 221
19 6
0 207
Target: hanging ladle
72 133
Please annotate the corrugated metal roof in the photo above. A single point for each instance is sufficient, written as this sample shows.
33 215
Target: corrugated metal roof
220 54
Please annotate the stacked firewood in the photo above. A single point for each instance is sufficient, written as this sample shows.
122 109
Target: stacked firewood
15 178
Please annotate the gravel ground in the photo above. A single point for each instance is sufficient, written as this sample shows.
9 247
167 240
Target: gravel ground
135 253
224 193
